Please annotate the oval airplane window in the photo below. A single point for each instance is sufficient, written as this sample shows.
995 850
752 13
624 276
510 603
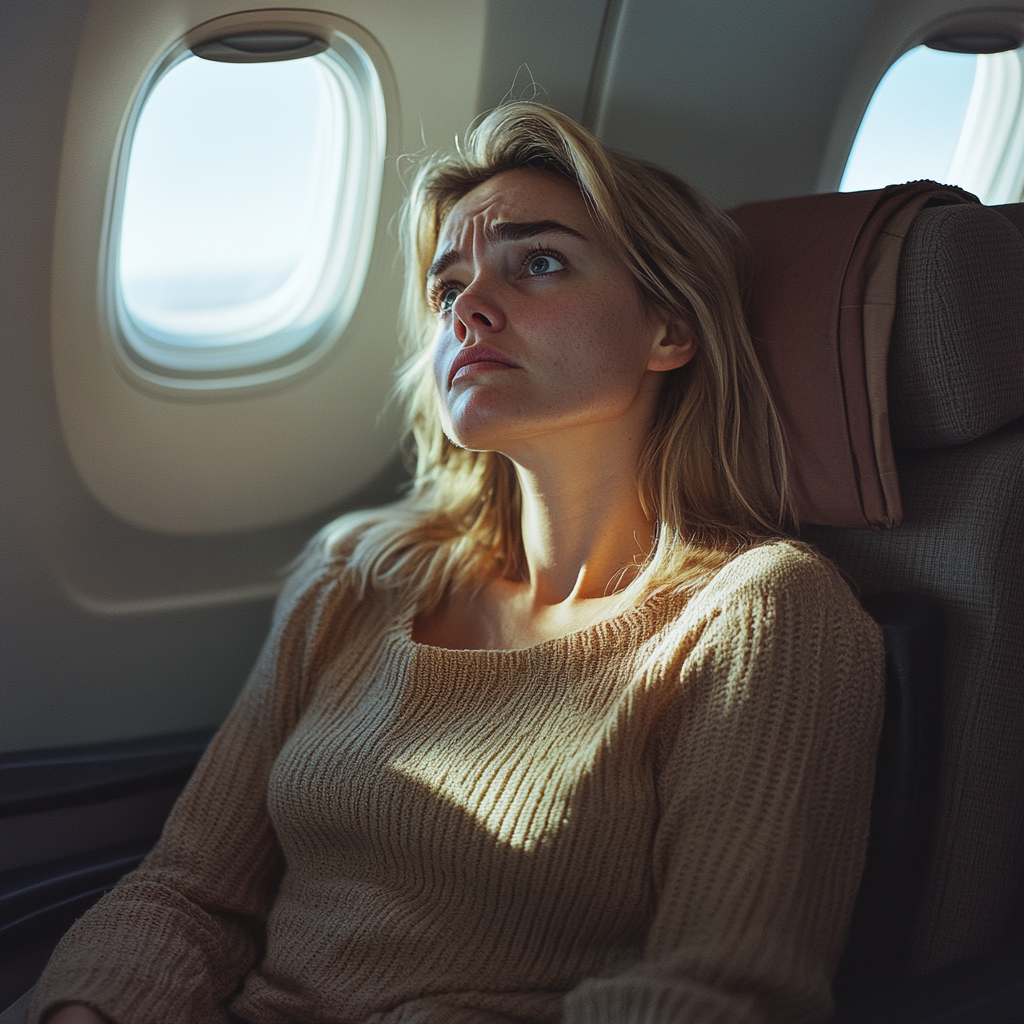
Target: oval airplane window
244 220
957 118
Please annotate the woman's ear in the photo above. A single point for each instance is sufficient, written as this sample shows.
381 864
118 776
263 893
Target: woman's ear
674 346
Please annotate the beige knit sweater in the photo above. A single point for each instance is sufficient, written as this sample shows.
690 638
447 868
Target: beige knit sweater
660 818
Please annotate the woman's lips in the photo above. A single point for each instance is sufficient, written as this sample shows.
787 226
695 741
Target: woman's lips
478 359
471 369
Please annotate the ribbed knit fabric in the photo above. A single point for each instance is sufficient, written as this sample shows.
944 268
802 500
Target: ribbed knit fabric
660 818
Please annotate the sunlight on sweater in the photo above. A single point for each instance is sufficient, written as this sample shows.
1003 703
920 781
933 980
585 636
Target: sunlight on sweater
516 788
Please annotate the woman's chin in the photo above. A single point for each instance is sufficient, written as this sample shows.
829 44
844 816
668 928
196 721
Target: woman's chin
482 425
476 439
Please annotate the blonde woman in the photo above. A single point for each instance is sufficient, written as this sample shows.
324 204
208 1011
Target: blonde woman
571 733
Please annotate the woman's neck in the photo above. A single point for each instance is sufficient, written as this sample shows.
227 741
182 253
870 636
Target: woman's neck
583 531
582 525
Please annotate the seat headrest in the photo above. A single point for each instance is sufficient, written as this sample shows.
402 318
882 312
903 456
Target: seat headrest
833 279
956 360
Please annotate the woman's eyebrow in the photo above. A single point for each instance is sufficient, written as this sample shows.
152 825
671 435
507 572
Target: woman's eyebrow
505 231
515 231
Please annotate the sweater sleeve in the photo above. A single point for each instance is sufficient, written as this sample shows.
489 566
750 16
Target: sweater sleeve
176 936
766 766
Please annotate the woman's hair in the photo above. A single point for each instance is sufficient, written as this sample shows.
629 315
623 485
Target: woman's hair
712 468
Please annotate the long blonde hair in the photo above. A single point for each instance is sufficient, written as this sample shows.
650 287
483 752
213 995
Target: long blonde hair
712 469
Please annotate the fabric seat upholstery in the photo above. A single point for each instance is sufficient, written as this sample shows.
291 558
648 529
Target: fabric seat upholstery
961 543
956 376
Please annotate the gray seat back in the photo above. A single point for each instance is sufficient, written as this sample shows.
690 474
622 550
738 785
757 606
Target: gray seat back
956 395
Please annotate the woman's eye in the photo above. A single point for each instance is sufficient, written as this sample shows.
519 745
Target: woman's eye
446 299
543 265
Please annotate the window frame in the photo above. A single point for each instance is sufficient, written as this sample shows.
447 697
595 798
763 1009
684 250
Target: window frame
132 348
990 140
994 124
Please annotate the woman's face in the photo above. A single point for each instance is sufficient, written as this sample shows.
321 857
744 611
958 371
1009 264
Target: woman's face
539 328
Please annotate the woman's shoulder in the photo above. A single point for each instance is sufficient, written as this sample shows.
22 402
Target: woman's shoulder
331 572
771 608
787 578
315 572
325 562
316 579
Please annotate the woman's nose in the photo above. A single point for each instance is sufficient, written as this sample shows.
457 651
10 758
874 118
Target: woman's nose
475 312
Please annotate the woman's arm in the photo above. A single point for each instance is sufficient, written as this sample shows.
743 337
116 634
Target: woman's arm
176 936
765 777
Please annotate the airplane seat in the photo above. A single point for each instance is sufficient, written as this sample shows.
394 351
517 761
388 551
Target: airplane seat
937 483
1014 213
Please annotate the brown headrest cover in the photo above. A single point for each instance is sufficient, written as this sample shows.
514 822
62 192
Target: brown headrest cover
822 293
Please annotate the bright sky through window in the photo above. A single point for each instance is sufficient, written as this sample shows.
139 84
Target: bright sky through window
230 199
913 123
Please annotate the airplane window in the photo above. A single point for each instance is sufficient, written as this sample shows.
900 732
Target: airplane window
957 118
247 213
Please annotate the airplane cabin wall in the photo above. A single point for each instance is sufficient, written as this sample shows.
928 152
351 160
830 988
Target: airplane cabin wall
70 676
736 96
112 631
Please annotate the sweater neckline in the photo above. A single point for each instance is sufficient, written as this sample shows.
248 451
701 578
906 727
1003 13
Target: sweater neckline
615 627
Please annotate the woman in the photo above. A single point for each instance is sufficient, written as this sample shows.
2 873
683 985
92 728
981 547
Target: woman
570 733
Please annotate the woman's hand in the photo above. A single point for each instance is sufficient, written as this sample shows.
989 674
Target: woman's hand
75 1013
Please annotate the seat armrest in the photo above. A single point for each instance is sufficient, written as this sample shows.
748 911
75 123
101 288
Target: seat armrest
984 990
906 783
